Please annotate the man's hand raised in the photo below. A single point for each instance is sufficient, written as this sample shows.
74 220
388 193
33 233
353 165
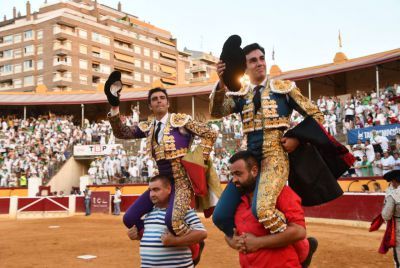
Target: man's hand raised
220 71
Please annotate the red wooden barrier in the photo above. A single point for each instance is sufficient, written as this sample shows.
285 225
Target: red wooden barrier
358 207
4 205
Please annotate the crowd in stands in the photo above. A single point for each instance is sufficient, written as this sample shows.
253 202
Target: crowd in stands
37 147
375 156
361 110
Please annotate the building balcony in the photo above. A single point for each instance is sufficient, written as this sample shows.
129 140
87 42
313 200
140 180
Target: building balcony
124 48
62 50
100 57
62 65
199 79
127 79
6 44
5 74
162 59
6 85
2 59
199 68
58 79
59 32
99 70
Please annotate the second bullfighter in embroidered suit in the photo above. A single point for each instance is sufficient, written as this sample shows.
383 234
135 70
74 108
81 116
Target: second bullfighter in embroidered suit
178 133
264 127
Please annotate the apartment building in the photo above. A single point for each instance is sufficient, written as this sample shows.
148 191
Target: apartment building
74 45
201 65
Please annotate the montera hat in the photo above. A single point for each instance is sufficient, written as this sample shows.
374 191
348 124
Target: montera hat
235 61
113 87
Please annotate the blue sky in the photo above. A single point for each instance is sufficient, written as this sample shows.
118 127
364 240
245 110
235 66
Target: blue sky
304 33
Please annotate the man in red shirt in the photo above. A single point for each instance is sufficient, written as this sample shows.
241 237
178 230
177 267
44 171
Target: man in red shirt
257 247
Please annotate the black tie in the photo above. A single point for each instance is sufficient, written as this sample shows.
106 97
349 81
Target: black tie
157 131
257 98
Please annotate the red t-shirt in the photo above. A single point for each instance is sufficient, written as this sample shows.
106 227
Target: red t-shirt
289 203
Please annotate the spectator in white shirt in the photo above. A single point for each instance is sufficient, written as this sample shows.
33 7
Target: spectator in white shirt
117 201
369 151
349 111
358 149
380 143
396 160
377 165
134 171
332 123
388 162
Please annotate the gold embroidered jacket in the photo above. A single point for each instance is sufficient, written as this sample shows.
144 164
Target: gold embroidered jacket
178 135
278 99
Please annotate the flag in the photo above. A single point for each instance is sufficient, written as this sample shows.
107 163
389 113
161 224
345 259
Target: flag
273 53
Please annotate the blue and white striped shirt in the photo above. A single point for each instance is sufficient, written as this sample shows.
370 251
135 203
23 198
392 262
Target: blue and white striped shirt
153 253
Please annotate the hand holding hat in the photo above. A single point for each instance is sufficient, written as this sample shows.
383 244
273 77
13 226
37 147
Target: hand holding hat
235 61
113 88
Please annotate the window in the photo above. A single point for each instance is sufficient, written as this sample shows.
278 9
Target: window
105 40
7 53
39 65
17 53
17 68
105 69
39 49
28 65
83 49
8 39
83 64
39 80
105 54
8 68
146 78
28 50
17 83
138 76
17 38
137 63
83 79
28 35
39 34
82 34
156 54
137 49
146 65
100 38
28 81
67 75
62 60
96 37
156 68
146 52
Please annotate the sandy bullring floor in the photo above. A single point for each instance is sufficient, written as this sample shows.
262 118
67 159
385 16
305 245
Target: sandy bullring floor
31 243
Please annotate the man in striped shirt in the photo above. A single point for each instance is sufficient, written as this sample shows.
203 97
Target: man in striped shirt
159 247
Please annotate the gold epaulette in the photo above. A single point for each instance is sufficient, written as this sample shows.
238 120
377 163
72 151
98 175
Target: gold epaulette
179 120
145 126
282 86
